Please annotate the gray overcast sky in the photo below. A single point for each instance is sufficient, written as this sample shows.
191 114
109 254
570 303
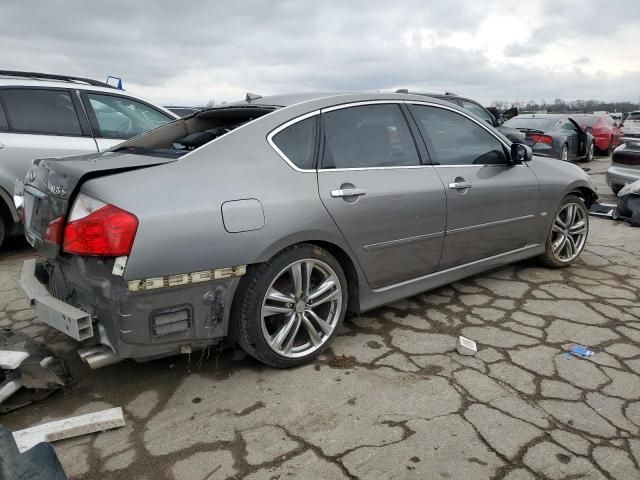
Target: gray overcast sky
191 51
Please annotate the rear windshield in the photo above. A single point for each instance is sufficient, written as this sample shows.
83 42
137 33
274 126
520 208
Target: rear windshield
634 116
586 120
183 136
530 123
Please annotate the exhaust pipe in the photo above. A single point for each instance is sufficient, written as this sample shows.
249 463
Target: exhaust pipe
98 357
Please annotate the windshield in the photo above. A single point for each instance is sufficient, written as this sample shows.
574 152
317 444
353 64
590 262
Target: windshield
532 123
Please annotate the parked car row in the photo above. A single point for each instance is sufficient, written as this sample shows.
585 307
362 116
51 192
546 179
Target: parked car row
263 222
45 115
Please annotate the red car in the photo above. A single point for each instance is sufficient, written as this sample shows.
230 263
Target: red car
605 130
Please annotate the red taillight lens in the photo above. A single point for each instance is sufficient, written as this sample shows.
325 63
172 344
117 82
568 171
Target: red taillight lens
540 138
53 231
97 228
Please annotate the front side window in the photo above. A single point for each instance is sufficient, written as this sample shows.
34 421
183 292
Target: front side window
368 136
123 118
478 111
568 125
48 112
456 139
297 142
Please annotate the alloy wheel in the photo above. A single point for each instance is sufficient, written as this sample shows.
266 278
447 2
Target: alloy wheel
301 308
569 232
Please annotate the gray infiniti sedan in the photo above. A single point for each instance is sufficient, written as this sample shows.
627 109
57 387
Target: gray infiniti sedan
264 222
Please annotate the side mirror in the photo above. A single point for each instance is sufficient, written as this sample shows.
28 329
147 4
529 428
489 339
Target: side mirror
499 120
520 153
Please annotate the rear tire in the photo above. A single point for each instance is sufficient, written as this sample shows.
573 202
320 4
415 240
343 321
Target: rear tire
290 308
567 234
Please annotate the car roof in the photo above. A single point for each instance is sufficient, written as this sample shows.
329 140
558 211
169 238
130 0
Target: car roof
542 115
326 99
28 80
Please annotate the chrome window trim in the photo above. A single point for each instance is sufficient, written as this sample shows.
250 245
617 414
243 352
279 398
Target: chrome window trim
277 130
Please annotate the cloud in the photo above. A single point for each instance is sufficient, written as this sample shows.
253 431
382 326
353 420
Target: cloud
582 61
190 52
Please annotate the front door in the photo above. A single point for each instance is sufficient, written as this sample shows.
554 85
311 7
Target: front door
577 138
491 205
388 205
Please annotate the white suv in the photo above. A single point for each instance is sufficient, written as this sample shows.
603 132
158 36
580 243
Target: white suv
45 115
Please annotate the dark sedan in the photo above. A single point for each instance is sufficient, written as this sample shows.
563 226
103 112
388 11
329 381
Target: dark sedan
555 135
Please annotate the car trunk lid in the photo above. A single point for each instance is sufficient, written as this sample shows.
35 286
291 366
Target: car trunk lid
52 184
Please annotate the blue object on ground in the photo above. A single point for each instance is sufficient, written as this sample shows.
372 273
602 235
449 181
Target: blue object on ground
580 351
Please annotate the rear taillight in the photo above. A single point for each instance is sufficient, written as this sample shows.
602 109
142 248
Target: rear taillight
53 231
540 138
98 228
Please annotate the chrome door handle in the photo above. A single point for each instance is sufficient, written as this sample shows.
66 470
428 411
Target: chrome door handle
348 192
460 185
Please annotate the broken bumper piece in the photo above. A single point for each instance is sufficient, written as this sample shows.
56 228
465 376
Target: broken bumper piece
55 313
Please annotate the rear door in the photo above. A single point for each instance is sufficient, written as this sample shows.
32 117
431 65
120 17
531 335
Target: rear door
39 122
388 203
491 205
116 118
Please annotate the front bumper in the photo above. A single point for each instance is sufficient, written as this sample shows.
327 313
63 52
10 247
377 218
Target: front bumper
83 299
618 175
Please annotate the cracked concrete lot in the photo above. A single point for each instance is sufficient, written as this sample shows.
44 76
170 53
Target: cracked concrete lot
391 399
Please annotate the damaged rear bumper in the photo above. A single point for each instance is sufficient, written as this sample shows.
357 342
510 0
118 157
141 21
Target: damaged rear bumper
82 298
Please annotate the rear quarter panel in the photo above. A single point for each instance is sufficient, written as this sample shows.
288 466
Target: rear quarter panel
179 205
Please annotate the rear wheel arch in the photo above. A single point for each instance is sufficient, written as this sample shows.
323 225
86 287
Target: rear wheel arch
8 215
343 258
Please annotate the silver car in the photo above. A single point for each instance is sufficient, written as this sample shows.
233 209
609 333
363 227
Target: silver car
625 164
263 222
58 115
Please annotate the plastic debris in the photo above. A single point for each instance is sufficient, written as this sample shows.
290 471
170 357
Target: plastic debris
33 373
580 351
466 346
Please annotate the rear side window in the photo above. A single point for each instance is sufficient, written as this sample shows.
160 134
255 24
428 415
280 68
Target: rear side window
41 111
3 119
297 142
123 118
368 136
456 139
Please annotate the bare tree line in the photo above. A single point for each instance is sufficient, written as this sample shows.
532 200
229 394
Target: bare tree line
563 106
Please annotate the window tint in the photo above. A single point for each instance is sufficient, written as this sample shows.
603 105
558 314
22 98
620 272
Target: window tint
298 142
3 119
41 111
478 111
456 139
121 117
368 136
568 125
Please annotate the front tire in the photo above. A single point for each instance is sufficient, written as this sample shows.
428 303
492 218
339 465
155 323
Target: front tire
290 308
567 234
3 231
